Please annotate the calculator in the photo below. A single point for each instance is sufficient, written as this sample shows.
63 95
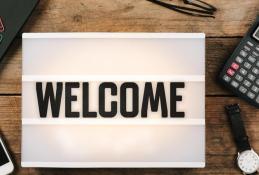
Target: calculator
240 72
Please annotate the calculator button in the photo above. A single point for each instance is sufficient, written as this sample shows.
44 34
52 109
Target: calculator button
257 99
239 59
243 53
250 43
243 71
242 89
234 84
255 89
230 72
251 77
252 59
226 78
257 48
247 65
255 71
257 82
235 66
238 77
251 95
247 48
247 83
256 54
257 63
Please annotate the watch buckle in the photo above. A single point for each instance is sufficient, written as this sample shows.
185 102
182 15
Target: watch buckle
232 109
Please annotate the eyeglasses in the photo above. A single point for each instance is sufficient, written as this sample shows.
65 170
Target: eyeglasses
202 9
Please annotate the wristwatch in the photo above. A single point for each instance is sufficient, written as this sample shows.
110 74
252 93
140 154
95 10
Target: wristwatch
247 159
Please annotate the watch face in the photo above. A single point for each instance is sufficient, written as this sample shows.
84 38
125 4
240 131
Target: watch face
248 161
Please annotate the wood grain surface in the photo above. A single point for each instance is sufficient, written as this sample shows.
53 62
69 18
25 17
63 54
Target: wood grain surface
233 18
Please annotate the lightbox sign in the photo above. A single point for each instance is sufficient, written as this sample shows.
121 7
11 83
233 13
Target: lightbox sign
113 100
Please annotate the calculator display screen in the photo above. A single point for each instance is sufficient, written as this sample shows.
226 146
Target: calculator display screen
256 34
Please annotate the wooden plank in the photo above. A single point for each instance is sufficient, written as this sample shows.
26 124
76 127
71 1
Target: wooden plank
219 165
220 148
217 50
10 70
232 18
223 168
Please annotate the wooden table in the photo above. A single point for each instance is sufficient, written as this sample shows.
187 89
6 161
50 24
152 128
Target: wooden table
223 33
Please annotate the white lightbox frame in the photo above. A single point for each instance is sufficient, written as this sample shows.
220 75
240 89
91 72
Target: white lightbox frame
32 72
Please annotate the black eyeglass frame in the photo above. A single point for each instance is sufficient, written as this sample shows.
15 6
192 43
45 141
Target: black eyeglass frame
205 9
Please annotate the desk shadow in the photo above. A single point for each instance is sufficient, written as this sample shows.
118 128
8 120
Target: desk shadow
114 171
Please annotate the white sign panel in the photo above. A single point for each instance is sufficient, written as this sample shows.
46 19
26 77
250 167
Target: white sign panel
113 100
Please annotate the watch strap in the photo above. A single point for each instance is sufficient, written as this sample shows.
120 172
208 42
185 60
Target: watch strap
237 126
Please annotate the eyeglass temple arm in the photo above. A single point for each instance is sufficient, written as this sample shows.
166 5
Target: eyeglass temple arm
209 8
171 6
192 14
182 9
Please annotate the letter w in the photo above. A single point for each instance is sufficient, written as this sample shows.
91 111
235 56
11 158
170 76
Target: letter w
49 96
